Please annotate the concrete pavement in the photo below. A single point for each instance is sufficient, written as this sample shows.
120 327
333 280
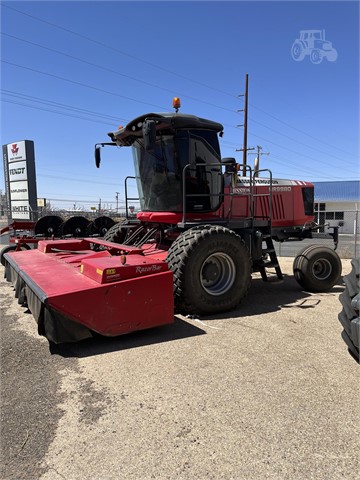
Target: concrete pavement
266 392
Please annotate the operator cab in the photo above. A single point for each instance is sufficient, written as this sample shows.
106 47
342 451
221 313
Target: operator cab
177 161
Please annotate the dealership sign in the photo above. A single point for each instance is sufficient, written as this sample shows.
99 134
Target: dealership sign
20 180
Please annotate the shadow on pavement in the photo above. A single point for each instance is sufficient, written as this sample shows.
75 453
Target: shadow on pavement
274 295
263 297
99 344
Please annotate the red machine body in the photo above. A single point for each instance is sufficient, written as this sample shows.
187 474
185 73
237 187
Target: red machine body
285 206
73 291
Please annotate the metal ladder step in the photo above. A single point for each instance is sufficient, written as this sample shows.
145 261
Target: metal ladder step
272 263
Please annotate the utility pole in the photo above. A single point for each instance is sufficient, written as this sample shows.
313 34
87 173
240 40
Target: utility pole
117 202
257 159
245 125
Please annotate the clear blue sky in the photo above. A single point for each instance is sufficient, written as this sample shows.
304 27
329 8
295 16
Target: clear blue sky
104 63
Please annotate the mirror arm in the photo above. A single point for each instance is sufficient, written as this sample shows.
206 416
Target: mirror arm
97 152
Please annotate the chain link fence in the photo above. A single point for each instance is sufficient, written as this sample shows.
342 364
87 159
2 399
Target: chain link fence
349 234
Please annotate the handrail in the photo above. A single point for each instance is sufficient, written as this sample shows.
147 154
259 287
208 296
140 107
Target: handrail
128 198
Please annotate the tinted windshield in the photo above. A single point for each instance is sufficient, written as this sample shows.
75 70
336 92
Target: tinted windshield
158 179
159 173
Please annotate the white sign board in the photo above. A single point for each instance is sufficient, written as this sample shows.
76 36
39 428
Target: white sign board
19 190
20 180
16 151
17 171
20 210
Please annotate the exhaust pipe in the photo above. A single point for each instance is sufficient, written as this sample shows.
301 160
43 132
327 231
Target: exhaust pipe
256 165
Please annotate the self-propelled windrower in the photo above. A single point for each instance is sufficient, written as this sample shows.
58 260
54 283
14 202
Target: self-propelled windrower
201 231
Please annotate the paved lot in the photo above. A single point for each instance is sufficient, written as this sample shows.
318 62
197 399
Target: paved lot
266 392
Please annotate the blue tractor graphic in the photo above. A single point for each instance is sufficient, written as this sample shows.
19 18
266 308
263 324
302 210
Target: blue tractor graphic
313 43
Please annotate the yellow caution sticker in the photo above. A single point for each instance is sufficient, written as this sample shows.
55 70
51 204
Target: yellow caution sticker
100 272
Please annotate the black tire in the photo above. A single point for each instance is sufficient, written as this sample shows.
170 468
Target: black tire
116 233
74 226
48 225
100 226
317 268
212 270
103 224
91 229
11 248
349 315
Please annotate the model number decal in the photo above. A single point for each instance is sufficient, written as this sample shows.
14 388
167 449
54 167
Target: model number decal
281 189
110 271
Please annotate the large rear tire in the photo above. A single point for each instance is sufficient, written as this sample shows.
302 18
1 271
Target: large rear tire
212 270
349 316
317 268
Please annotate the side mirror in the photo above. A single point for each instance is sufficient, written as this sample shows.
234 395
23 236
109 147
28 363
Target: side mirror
149 135
230 164
97 157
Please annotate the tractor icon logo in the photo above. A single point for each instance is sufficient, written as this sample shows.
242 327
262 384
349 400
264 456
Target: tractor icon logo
313 43
14 148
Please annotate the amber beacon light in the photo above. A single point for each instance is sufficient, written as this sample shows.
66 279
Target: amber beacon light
176 103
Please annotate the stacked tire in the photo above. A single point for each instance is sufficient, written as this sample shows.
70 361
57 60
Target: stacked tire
48 225
349 316
74 227
100 226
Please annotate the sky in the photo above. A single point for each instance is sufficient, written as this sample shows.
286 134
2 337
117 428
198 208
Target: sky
73 71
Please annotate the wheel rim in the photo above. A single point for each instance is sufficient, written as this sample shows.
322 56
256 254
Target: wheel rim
217 274
322 269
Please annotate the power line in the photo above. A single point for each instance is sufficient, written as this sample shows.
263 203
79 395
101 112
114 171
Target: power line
80 83
166 89
77 180
299 142
110 47
293 151
45 101
96 65
56 112
97 121
299 130
104 91
232 146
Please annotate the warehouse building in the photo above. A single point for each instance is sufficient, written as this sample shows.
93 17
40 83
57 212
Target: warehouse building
338 204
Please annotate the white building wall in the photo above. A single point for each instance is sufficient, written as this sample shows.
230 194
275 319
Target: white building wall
351 219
